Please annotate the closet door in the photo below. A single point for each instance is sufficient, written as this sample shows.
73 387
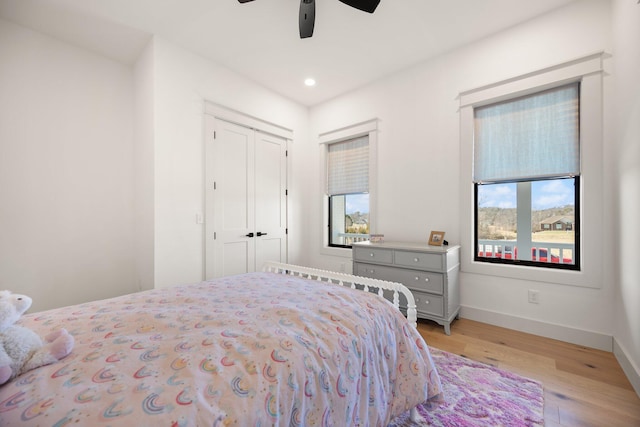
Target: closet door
233 201
271 200
245 200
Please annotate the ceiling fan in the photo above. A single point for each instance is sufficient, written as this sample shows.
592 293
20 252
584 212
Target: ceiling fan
307 17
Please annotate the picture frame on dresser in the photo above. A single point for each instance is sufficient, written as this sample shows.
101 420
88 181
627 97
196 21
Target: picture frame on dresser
436 238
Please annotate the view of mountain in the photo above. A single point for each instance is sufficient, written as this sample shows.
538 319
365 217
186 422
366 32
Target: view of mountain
500 223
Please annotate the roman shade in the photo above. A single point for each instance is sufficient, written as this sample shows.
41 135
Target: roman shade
528 138
348 166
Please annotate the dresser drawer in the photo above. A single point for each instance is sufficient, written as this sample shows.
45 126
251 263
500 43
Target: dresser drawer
374 271
412 279
420 280
373 255
429 304
419 260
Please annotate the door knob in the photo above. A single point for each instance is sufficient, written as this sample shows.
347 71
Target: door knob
249 235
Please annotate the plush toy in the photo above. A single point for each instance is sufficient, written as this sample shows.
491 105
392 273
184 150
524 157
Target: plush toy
21 349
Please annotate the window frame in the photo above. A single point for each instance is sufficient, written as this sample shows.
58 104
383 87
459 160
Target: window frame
329 213
588 71
537 264
368 128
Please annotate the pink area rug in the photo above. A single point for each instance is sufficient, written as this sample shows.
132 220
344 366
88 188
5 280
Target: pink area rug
476 394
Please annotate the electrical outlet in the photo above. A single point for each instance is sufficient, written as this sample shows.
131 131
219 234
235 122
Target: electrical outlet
534 296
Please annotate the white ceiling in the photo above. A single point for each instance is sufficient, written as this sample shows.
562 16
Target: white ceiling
260 39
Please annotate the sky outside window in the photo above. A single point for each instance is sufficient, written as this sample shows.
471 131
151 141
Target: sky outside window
357 203
545 194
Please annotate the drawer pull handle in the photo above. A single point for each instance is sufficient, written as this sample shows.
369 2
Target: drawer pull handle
371 254
426 279
416 259
426 302
417 278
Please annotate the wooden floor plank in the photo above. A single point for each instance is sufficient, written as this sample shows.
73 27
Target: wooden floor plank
582 386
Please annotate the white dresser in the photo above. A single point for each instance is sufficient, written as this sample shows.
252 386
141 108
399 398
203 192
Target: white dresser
431 272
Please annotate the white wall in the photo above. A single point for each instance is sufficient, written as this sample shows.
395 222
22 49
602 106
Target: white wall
66 171
143 157
182 82
419 157
626 184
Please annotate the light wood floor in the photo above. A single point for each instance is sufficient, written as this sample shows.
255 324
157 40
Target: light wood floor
582 386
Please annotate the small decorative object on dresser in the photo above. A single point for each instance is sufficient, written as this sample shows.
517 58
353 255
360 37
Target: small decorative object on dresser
430 272
436 238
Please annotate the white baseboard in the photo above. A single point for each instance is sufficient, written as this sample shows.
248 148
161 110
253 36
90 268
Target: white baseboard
549 330
631 371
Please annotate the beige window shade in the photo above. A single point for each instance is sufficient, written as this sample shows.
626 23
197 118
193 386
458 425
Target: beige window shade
348 167
527 138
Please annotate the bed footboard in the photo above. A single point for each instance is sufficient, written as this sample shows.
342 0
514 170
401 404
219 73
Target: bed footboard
344 279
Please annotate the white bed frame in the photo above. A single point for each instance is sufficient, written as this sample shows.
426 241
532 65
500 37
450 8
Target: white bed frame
344 279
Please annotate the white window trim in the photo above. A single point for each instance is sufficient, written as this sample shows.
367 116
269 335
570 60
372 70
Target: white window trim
369 128
588 70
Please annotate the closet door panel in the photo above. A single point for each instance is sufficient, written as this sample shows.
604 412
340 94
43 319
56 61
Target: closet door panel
271 212
233 194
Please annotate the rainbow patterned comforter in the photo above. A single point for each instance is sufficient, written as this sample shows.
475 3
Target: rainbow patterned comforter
258 349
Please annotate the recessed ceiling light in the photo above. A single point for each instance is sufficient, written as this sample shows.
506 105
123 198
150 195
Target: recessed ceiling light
310 82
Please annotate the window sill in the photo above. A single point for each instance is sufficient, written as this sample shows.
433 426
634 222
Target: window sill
588 277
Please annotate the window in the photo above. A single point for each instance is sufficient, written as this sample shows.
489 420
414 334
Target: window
527 179
349 181
348 191
348 219
587 221
539 232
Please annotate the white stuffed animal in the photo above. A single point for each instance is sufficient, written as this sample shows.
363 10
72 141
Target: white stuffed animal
21 349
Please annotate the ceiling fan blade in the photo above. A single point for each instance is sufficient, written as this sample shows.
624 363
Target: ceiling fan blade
364 5
307 18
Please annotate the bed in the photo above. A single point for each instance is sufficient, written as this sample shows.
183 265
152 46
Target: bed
284 346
